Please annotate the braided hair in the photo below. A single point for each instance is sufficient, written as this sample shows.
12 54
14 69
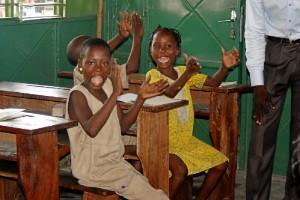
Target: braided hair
172 31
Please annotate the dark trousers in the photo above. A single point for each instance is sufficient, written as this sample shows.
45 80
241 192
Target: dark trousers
281 71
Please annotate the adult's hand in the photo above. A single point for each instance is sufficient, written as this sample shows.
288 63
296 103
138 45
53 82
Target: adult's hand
262 103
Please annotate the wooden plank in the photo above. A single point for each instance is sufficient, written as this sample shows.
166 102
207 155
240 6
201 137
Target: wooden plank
224 133
38 165
35 124
153 134
9 190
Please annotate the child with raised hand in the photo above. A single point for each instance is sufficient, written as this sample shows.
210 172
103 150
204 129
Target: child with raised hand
96 145
130 24
188 155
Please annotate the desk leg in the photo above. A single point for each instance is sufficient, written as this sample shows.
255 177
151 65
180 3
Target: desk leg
38 165
153 148
224 112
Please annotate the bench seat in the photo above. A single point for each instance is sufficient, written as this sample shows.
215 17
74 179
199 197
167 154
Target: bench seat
9 170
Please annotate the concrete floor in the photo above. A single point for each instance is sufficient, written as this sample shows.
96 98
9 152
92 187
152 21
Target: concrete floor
277 190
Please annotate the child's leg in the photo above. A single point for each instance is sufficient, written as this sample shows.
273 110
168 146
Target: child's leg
137 165
211 180
179 173
139 188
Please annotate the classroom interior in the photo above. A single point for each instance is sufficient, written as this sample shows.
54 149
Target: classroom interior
33 51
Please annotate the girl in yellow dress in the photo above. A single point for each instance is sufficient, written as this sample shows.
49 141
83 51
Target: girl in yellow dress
188 155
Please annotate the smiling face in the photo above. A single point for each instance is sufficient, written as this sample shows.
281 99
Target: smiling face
95 63
164 49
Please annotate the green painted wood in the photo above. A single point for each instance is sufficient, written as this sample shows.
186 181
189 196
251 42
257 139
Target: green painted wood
197 21
34 51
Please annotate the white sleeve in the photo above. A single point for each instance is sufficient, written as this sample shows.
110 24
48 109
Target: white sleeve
255 40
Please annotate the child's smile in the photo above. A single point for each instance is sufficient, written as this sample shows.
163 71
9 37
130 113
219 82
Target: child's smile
164 59
97 80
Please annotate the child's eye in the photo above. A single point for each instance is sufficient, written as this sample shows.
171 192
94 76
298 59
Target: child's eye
155 46
169 46
105 64
91 62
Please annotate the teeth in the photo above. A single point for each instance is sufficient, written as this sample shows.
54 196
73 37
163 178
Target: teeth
163 59
97 80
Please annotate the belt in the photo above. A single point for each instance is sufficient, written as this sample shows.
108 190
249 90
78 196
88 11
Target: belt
283 40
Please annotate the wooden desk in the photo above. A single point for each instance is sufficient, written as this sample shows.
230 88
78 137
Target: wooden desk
153 142
223 105
152 134
31 96
37 153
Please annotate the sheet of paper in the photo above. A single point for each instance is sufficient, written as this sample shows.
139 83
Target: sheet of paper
224 84
158 100
11 113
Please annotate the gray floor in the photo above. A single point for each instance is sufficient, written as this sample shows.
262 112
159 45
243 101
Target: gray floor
277 190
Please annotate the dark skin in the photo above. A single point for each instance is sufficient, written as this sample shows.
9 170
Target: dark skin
96 65
262 103
130 24
164 50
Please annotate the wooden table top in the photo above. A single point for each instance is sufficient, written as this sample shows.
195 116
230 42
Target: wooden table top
35 123
33 91
157 108
139 79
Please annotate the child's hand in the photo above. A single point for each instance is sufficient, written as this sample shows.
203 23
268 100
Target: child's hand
124 26
230 59
192 64
137 25
115 78
154 89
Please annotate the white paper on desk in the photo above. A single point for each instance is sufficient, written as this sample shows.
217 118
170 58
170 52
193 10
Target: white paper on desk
153 101
224 84
11 113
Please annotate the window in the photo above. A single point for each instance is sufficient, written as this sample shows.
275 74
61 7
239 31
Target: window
32 9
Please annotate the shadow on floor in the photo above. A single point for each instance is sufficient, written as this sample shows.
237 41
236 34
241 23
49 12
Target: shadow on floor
277 189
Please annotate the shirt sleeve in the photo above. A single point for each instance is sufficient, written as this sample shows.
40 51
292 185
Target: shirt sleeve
197 80
155 75
77 76
124 76
255 40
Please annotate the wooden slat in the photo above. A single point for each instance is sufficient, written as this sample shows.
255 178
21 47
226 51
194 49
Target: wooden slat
65 74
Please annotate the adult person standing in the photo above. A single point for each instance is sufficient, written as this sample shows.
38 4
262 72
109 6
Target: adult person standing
272 34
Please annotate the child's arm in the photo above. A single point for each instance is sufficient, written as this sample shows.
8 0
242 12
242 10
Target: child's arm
137 31
124 27
192 67
228 61
92 124
147 90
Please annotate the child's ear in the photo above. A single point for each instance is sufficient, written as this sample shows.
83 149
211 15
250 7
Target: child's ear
79 63
178 51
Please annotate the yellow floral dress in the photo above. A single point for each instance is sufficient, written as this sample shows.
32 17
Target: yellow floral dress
197 155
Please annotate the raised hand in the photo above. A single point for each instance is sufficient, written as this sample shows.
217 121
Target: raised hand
137 27
192 64
229 60
124 26
115 78
154 89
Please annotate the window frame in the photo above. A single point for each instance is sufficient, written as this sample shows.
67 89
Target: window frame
16 9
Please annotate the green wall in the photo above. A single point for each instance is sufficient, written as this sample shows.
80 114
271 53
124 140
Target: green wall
34 51
77 8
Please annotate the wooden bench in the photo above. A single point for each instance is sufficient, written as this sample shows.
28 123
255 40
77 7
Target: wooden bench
9 170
